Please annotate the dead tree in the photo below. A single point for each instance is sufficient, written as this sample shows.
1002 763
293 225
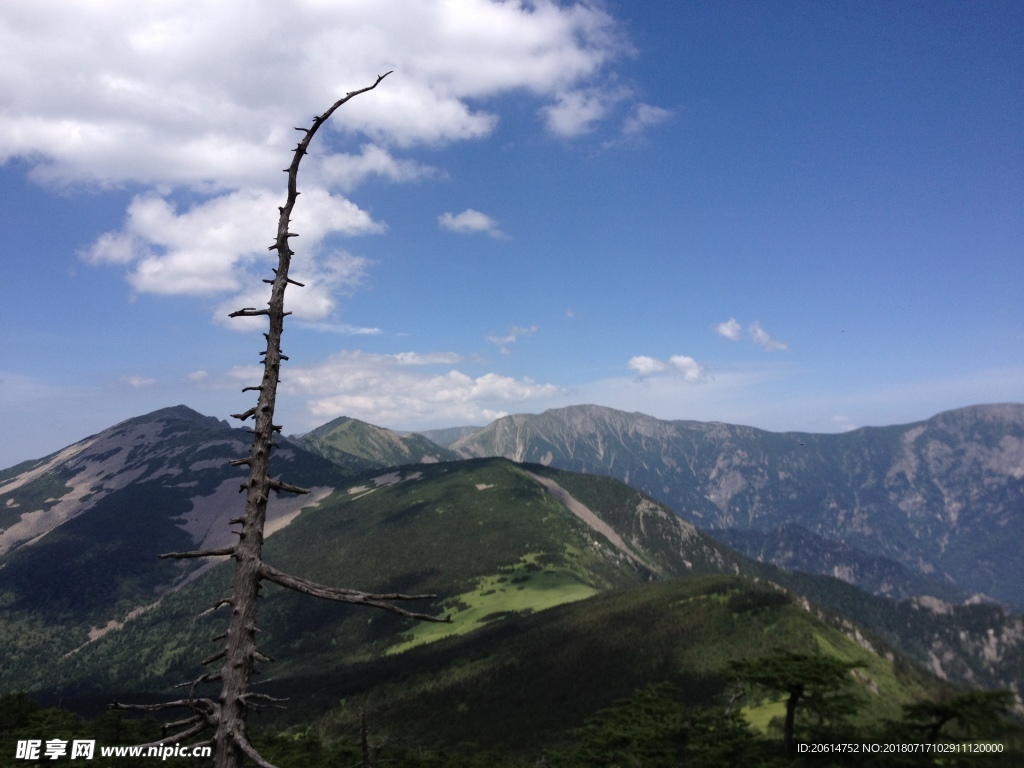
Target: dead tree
227 714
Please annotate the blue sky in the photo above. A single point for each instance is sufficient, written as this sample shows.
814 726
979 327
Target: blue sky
798 216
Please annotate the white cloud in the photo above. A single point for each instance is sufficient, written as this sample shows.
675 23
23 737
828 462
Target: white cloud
576 112
470 221
313 302
644 116
185 93
400 390
730 329
344 329
690 369
196 376
347 171
184 98
213 246
646 366
429 358
766 342
139 382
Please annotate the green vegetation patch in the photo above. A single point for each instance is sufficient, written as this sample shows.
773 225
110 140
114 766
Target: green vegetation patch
522 588
760 716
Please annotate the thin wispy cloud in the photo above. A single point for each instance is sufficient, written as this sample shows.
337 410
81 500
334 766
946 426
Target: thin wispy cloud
763 340
470 221
343 329
424 358
642 117
139 382
514 333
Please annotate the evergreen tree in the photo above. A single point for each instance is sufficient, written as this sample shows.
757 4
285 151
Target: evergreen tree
821 681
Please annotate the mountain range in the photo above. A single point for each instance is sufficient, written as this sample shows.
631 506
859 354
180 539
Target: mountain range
526 557
933 507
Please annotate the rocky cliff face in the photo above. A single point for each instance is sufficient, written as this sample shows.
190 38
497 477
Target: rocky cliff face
943 498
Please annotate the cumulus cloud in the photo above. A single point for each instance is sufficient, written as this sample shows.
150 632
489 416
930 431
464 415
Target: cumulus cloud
680 365
185 93
730 329
470 221
402 390
189 101
761 337
220 245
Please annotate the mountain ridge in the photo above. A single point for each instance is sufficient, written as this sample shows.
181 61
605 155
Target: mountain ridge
493 537
356 444
940 496
81 529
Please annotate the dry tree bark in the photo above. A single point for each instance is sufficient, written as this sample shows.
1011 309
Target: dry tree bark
227 714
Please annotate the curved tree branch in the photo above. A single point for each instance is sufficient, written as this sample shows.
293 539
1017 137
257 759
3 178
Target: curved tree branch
350 595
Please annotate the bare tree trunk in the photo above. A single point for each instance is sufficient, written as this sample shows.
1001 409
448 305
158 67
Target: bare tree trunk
227 715
795 693
364 740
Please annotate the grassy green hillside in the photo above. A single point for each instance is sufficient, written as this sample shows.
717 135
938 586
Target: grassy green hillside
544 673
565 596
484 535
